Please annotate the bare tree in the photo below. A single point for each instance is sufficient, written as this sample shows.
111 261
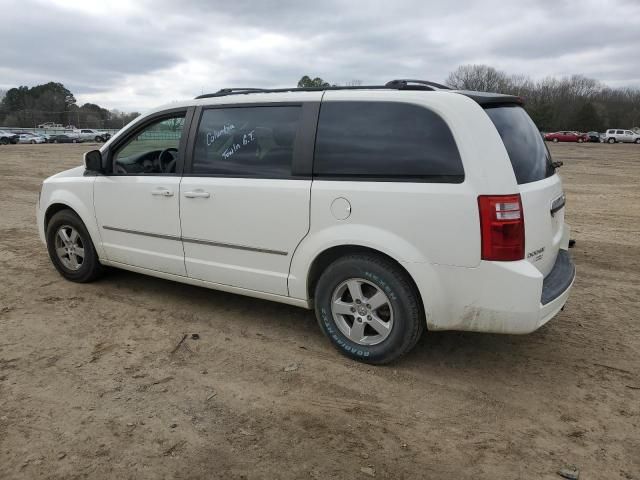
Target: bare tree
481 78
574 102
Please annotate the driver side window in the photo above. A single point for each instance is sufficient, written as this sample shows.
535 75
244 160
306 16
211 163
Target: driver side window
153 150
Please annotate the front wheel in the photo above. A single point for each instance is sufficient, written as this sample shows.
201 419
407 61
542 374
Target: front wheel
369 308
71 249
555 140
637 140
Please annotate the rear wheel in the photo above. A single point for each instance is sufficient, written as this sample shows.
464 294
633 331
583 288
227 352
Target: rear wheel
70 248
369 308
579 140
98 139
611 140
637 140
4 141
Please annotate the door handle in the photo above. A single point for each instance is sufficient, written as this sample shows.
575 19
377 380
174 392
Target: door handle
197 194
164 192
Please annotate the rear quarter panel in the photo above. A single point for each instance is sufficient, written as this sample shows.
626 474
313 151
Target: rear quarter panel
414 222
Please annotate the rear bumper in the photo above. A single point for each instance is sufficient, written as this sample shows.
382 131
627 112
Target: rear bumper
495 297
559 279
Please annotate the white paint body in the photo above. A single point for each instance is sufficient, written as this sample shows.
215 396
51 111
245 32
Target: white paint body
622 136
431 229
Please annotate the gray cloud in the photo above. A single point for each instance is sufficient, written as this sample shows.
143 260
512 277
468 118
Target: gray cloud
133 56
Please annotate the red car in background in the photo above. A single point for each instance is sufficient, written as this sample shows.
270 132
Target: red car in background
566 136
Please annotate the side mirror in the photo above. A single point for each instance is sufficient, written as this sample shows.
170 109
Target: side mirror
93 161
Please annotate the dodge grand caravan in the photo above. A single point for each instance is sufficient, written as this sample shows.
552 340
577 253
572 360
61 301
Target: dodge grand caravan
388 209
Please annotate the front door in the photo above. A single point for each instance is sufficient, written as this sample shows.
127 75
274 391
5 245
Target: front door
243 209
137 204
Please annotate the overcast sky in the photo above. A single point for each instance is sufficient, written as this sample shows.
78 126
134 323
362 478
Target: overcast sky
132 55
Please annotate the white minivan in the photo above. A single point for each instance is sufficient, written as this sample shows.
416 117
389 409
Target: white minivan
388 209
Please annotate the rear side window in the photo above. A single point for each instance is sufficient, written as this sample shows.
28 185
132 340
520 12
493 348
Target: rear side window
529 156
385 141
246 141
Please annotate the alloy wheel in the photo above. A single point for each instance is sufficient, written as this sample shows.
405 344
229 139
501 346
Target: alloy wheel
362 311
69 247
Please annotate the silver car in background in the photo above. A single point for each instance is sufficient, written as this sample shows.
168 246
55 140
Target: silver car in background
30 138
621 136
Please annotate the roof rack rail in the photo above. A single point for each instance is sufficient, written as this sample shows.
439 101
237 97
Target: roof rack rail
229 91
401 84
404 84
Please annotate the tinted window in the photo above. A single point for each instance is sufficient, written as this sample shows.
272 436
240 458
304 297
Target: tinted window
385 140
619 132
529 156
246 141
154 150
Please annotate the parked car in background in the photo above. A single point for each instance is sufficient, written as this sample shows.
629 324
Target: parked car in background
64 138
621 136
566 136
8 137
30 138
47 136
90 135
454 222
50 125
594 137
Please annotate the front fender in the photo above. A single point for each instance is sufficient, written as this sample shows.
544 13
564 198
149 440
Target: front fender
76 194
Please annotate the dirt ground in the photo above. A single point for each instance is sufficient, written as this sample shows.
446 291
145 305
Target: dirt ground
92 385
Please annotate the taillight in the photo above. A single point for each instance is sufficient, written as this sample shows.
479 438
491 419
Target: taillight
501 227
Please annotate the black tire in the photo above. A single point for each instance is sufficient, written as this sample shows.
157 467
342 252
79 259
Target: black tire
555 140
4 141
90 269
98 139
74 141
637 140
408 316
611 140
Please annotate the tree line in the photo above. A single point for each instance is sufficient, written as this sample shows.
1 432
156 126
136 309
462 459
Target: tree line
53 102
569 103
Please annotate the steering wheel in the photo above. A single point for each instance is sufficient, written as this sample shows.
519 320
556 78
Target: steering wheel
167 159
